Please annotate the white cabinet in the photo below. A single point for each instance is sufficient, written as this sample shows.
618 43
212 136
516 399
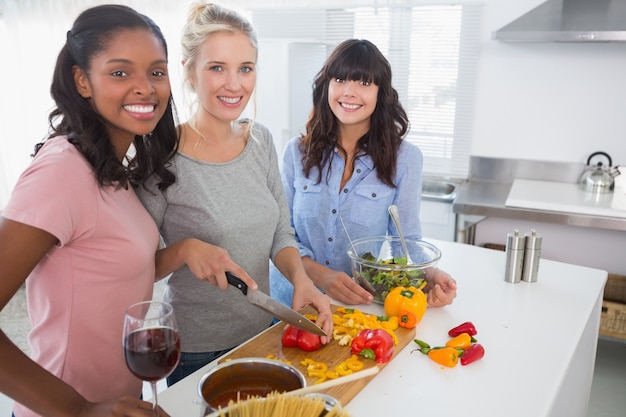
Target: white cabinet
438 220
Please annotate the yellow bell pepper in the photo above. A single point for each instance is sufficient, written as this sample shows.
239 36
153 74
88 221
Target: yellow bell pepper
404 303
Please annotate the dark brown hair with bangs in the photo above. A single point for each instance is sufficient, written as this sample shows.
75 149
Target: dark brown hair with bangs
356 60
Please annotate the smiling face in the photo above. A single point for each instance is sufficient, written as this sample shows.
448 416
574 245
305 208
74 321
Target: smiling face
352 102
127 84
224 75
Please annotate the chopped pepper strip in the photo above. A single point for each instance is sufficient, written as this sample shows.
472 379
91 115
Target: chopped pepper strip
354 363
332 374
391 324
276 358
343 369
315 369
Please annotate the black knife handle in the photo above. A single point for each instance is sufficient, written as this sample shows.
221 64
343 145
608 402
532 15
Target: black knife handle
236 282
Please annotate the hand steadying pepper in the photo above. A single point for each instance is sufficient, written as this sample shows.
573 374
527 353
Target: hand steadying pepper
306 341
374 344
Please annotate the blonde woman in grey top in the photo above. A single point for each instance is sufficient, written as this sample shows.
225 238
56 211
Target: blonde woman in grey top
227 210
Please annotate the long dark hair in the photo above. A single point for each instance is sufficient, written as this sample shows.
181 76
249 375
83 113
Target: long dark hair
85 129
356 60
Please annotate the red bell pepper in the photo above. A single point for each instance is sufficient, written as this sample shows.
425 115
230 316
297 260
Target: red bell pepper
472 354
466 327
306 341
374 344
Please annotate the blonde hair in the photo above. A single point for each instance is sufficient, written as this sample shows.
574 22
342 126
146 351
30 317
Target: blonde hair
203 20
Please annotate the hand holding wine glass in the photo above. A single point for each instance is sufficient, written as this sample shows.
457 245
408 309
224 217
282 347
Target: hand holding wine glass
151 342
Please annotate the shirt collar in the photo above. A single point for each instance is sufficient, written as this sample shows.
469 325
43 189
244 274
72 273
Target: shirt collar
364 159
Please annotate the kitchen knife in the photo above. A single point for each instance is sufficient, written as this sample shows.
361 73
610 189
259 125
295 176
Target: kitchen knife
278 310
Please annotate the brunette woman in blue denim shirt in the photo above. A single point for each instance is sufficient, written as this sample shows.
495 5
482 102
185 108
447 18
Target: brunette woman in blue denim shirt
352 164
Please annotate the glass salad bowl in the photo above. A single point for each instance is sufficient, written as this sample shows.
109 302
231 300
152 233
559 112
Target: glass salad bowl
379 263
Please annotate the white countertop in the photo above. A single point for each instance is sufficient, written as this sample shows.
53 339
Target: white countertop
540 341
565 197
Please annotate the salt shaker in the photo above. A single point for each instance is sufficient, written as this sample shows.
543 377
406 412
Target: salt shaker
532 254
514 257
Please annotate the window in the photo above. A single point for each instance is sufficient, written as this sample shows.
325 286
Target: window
432 50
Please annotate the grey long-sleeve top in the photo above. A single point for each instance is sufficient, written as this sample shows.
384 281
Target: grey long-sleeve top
240 206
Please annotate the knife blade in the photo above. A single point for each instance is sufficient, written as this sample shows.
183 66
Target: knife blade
278 310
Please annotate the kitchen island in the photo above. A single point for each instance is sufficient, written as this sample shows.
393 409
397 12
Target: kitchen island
540 341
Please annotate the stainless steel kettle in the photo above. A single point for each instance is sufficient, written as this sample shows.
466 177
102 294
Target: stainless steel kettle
599 178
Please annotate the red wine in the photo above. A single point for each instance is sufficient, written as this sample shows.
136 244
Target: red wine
152 354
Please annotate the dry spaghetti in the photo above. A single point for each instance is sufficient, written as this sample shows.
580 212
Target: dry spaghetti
281 405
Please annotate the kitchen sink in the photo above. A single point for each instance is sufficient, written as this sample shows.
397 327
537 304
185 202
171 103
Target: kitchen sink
438 190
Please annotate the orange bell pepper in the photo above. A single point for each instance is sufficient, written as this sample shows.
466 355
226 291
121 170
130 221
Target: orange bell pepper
407 319
462 341
445 356
409 300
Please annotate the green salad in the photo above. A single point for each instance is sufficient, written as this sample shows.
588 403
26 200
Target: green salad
383 280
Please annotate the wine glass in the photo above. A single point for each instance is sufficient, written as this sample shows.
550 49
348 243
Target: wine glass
151 342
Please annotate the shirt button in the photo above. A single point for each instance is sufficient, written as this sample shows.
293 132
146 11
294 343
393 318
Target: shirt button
373 195
358 170
305 187
345 190
330 239
334 211
327 262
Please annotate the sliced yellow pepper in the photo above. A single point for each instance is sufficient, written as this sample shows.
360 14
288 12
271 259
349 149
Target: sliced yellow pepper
391 323
276 358
332 374
354 364
317 367
320 379
343 369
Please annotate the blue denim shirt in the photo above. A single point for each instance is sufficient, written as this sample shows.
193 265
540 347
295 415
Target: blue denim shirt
362 204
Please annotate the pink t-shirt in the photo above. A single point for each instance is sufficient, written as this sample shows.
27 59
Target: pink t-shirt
104 262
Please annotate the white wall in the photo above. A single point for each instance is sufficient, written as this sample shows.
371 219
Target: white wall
548 101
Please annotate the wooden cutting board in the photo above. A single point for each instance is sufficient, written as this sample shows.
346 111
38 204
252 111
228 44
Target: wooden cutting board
270 343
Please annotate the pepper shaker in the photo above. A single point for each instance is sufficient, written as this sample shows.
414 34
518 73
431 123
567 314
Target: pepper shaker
515 245
532 254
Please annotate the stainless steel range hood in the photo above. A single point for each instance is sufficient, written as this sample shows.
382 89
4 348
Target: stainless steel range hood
569 21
